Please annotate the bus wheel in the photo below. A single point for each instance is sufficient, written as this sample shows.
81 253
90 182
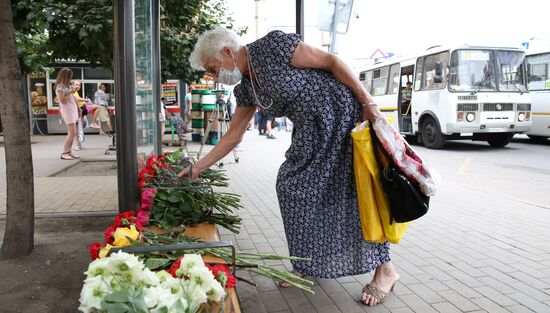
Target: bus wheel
537 139
432 137
500 140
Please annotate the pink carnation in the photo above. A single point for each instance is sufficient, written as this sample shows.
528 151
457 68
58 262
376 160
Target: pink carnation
142 218
147 196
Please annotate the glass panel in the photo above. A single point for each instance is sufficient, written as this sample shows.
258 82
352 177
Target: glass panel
88 90
368 82
435 67
145 117
418 78
394 79
97 73
510 66
472 70
539 65
380 81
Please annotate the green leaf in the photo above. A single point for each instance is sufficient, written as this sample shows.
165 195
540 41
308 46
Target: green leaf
156 263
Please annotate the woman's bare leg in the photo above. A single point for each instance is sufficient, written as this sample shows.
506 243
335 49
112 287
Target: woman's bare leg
384 278
68 143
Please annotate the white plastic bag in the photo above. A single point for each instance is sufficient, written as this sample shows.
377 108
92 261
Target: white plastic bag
410 162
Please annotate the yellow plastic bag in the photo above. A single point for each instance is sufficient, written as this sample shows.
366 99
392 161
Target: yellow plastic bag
374 209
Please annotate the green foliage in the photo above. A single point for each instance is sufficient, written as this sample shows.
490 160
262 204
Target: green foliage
54 29
47 30
181 23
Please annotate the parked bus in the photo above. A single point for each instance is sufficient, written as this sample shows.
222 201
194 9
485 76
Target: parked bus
463 92
538 73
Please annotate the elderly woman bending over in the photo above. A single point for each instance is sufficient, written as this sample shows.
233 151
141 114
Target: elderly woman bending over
315 186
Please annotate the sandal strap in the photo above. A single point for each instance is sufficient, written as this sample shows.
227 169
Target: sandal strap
375 292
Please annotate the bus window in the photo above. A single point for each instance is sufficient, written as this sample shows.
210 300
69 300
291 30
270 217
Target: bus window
394 79
367 82
510 65
380 81
418 78
435 71
539 67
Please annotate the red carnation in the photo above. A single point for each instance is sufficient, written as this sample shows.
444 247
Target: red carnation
175 267
94 250
125 219
109 234
221 272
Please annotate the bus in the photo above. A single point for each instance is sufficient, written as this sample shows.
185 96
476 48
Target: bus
538 74
460 92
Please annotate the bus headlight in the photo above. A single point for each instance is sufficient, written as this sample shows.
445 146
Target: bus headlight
470 117
521 117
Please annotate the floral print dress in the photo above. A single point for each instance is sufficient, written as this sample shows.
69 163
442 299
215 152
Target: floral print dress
316 184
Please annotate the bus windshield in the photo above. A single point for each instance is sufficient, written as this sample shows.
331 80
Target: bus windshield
487 70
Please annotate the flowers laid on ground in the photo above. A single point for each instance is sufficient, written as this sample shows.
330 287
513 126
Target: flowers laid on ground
122 283
164 260
169 201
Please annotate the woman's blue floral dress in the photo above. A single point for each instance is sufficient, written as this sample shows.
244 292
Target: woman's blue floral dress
316 184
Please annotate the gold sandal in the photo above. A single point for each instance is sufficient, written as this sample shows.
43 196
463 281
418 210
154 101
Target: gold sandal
378 294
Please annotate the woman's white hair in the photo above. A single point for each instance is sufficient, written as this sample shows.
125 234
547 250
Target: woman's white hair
210 44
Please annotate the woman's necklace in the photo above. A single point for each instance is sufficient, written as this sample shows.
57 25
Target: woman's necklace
252 77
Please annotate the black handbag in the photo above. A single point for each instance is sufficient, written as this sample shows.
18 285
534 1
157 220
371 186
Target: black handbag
407 202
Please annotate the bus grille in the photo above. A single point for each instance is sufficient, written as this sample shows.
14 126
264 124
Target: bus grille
524 106
498 107
467 98
467 107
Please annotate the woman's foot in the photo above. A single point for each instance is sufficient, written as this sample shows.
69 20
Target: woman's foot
381 285
74 156
67 156
284 284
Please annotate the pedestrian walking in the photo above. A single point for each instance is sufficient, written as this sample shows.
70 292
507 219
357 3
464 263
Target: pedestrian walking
317 197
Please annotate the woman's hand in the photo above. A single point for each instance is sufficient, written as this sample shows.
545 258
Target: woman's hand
195 172
371 113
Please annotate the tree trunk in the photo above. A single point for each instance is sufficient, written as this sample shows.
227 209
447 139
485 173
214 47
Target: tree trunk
19 234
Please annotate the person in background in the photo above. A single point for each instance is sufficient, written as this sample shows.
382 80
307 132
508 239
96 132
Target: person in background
324 99
68 108
406 95
187 106
75 84
162 117
101 98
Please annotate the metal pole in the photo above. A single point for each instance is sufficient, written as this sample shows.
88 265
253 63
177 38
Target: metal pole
125 106
157 86
300 17
334 24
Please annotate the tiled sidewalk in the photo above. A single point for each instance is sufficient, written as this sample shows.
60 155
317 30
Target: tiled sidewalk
466 255
469 254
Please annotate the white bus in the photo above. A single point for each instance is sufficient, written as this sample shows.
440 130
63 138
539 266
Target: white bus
538 73
465 92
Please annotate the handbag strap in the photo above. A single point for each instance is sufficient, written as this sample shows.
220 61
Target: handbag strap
378 144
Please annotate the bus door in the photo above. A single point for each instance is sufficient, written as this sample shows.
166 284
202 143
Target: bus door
405 99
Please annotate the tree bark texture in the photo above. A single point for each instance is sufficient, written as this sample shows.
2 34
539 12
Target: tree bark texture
19 233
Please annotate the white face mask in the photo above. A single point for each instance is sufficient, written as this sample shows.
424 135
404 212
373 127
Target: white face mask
228 77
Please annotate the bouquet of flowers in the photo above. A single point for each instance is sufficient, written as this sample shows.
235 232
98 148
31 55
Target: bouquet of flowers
121 283
126 231
169 201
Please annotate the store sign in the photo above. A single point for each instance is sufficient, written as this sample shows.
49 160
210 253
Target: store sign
170 92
